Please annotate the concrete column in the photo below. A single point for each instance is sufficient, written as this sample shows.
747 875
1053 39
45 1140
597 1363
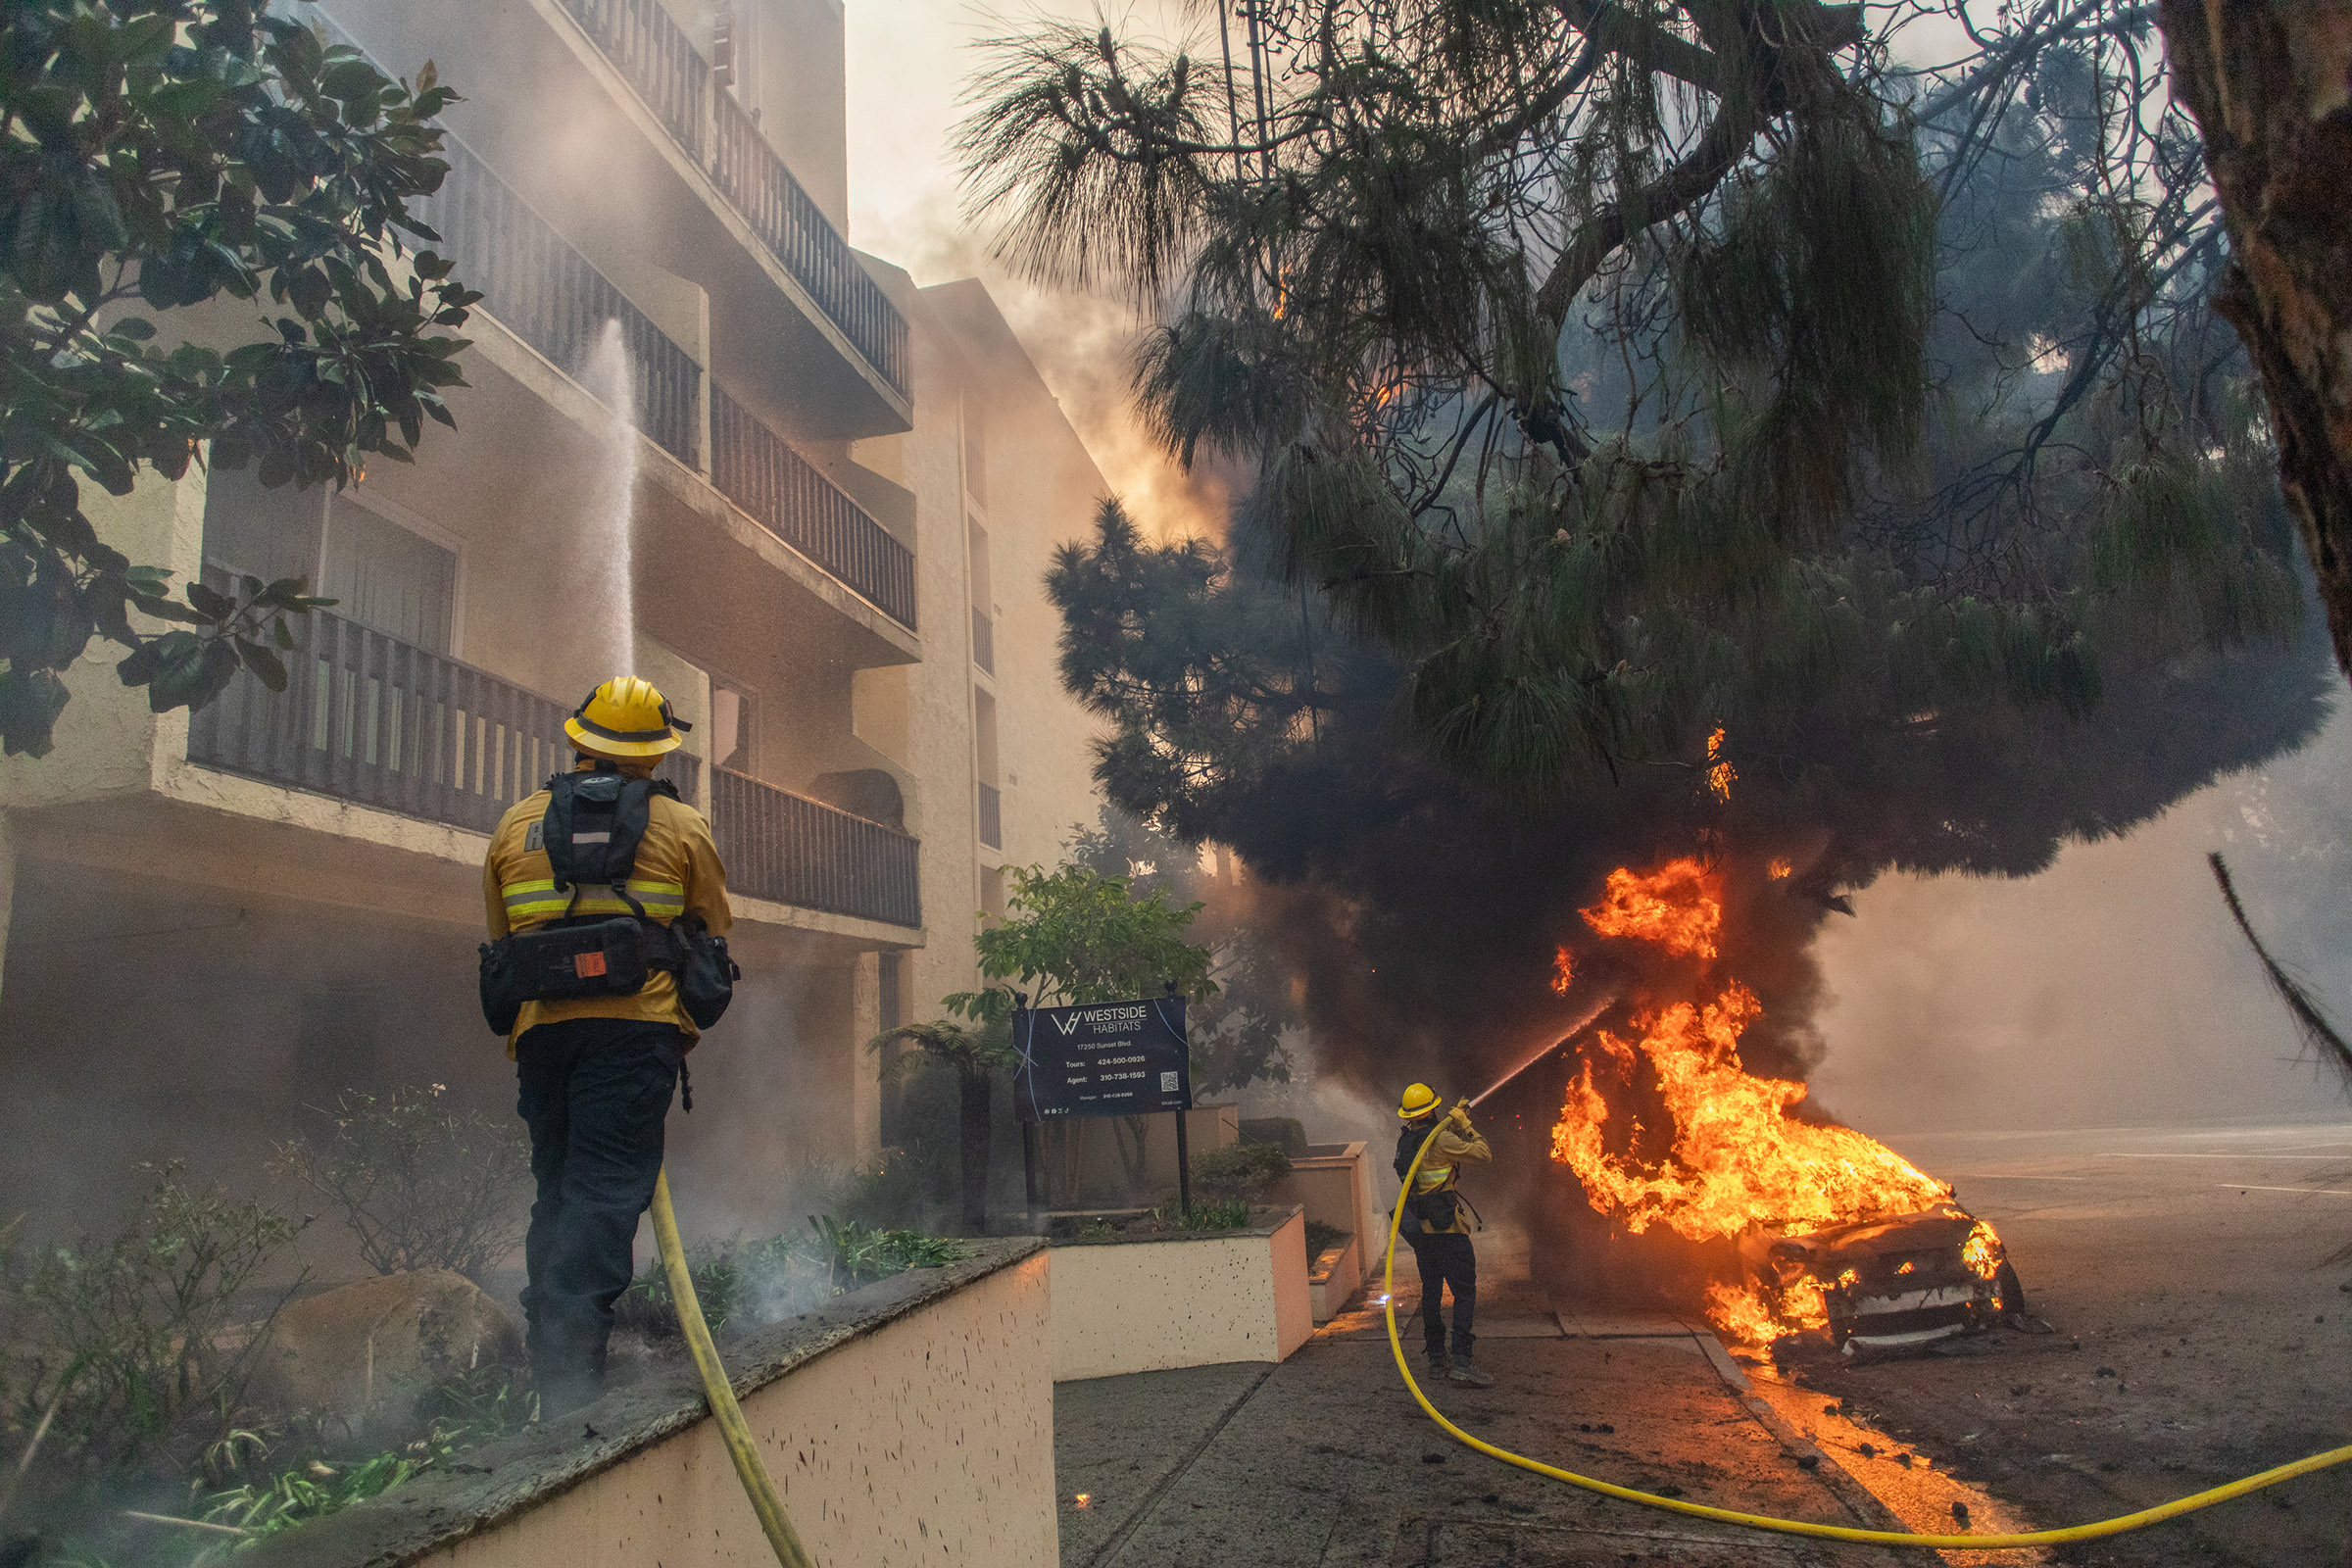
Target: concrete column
866 1087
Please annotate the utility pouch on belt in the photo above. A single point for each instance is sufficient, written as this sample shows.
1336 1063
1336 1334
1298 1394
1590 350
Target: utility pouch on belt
1437 1211
707 974
592 828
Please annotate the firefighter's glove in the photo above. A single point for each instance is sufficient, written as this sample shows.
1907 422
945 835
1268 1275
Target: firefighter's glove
1460 1121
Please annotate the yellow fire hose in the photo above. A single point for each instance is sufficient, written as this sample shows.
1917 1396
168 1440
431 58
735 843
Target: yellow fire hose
1800 1527
738 1434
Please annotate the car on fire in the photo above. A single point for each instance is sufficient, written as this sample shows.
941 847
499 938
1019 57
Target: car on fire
1895 1283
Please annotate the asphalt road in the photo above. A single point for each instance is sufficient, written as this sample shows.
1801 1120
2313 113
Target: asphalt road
2202 1336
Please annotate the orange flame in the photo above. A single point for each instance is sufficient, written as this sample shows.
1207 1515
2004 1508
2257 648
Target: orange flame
1779 870
1677 907
1563 970
1720 774
1737 1160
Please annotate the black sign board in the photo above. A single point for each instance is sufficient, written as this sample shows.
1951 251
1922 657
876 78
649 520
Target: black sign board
1111 1059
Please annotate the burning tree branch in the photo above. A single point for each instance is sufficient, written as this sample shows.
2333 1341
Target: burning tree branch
2321 1036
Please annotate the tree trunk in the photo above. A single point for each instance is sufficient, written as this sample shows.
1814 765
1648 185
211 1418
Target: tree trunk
972 1130
2269 82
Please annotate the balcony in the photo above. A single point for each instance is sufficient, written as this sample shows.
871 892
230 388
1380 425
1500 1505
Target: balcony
984 640
991 818
552 299
549 295
380 722
793 849
661 64
778 490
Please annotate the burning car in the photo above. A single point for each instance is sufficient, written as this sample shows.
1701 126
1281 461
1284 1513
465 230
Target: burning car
1893 1283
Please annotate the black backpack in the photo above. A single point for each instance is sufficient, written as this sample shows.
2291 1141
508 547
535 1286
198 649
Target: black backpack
594 823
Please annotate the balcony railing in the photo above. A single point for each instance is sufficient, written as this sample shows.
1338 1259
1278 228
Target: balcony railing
793 849
382 722
371 718
984 640
800 506
991 818
660 62
550 295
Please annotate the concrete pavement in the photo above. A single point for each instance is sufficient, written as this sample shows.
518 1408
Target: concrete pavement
1325 1460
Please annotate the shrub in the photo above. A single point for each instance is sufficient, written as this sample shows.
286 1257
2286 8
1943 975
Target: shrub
1243 1170
420 1184
140 1345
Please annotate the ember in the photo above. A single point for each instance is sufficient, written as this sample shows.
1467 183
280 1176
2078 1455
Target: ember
1738 1166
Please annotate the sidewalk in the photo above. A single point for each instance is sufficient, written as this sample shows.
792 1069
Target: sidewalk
1325 1460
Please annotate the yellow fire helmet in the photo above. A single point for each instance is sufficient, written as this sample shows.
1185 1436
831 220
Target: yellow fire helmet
1419 1100
625 717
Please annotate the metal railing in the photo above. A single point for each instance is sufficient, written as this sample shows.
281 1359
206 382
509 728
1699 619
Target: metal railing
550 295
660 63
793 849
786 495
787 221
656 57
984 640
373 719
991 818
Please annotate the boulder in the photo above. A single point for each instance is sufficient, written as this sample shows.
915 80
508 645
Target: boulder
372 1347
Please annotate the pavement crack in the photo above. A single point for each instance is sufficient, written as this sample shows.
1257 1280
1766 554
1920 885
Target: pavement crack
1109 1549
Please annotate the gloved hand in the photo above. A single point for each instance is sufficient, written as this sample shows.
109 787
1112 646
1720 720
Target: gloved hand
1459 1118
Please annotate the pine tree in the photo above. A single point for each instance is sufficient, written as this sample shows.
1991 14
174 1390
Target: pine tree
1633 372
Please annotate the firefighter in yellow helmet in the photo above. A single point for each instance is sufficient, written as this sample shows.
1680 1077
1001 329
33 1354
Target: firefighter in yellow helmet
601 889
1434 1223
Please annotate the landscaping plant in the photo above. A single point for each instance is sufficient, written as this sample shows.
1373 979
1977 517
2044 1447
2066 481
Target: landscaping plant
422 1184
135 1350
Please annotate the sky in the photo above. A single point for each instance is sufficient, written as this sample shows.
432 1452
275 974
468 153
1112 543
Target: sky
2109 991
907 61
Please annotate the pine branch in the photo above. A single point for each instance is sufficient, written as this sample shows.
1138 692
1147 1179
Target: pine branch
2331 1047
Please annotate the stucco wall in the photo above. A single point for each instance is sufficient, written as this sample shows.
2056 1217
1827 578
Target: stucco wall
926 1435
1141 1306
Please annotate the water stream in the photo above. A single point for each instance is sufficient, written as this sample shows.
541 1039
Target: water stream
607 606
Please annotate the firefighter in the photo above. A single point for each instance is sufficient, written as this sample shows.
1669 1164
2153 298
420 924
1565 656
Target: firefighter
597 1071
1434 1223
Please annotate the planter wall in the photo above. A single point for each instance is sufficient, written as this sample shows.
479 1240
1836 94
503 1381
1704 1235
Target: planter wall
908 1422
1199 1300
1333 1182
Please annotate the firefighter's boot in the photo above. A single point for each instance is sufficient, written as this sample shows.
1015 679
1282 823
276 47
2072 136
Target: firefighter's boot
1465 1370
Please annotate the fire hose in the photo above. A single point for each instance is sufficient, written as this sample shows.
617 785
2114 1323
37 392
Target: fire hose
748 1469
1801 1527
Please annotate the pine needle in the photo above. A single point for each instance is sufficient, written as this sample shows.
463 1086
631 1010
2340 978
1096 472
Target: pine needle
2324 1043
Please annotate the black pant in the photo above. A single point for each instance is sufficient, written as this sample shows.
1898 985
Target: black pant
1447 1263
595 1093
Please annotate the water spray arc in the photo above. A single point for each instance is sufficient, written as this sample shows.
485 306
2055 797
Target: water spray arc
610 601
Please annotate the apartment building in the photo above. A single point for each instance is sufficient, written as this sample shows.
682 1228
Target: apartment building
704 440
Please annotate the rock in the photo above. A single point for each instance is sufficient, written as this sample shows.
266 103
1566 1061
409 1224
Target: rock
371 1348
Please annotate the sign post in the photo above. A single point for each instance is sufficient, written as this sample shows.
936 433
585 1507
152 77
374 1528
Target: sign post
1106 1058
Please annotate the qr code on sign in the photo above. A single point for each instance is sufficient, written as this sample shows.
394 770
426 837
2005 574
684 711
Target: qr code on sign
1168 1083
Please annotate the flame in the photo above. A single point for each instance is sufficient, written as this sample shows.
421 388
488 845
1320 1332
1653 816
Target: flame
1779 870
1735 1159
1563 971
1983 1252
1720 774
1677 907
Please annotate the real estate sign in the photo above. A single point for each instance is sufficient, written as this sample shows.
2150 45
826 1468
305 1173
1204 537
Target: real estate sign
1110 1058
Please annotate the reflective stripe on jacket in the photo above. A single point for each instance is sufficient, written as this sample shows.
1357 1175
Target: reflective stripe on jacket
1440 1169
677 869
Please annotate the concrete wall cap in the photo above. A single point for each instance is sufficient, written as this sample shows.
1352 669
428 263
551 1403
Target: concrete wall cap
496 1482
